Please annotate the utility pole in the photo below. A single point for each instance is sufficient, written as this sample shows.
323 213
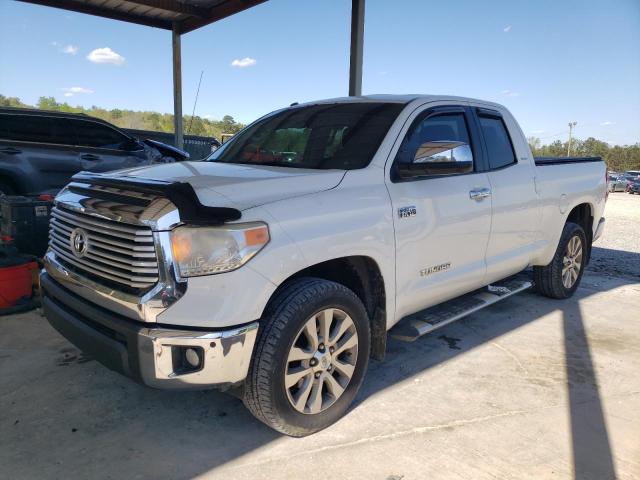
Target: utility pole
571 125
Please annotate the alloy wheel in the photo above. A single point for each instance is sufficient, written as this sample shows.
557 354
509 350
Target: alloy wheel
321 361
572 262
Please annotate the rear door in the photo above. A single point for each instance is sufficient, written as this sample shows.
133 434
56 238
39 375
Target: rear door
41 148
102 148
515 234
441 223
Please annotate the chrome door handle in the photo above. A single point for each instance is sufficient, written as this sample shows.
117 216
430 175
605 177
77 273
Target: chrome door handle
479 194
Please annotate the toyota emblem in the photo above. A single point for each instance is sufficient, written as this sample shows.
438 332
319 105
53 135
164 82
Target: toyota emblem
79 242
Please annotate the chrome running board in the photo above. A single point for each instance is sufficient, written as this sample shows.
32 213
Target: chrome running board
420 323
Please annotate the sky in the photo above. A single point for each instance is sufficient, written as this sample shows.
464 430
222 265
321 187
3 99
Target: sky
549 62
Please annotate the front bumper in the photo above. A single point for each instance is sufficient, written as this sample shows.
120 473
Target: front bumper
149 355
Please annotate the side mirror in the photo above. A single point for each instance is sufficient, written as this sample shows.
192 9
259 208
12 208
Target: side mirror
438 158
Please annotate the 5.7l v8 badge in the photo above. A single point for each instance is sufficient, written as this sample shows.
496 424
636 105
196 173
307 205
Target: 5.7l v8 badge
406 212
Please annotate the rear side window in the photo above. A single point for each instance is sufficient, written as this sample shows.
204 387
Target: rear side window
93 134
37 129
498 143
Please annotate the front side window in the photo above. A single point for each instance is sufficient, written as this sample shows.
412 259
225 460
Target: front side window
341 136
498 143
37 129
93 134
437 138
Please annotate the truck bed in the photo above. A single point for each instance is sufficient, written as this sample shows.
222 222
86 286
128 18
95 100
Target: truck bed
542 161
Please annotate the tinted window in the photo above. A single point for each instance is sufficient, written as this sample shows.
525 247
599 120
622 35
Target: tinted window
441 132
93 134
341 136
36 128
498 142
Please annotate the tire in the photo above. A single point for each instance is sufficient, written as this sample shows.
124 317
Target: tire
281 331
549 279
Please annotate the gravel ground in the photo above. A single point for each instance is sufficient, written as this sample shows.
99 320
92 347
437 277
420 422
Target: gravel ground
616 253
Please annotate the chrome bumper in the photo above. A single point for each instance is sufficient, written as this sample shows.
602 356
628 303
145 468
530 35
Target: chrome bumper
151 356
600 229
225 360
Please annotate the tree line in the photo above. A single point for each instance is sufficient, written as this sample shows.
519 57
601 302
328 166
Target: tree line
139 120
617 157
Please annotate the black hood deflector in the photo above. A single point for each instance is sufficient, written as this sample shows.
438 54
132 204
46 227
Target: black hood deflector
181 194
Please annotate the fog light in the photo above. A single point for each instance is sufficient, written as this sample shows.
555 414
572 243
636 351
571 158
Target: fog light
187 359
192 357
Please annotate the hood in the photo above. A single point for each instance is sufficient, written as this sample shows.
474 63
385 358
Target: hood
239 186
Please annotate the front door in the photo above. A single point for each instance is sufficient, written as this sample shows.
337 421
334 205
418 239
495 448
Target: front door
442 222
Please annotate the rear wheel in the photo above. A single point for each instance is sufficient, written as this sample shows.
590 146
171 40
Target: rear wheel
310 358
561 277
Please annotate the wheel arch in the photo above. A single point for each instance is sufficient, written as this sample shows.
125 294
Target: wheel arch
582 214
362 275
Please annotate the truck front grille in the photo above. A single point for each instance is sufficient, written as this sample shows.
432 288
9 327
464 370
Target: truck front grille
115 253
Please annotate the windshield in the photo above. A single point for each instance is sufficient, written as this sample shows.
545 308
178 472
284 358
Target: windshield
341 136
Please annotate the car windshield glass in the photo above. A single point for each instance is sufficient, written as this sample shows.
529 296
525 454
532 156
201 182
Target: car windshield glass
341 136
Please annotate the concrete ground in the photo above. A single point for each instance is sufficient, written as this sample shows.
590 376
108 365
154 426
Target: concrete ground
529 388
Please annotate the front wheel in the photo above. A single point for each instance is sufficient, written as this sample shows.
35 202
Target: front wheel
561 277
310 359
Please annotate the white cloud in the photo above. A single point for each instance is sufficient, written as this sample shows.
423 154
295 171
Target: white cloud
507 29
71 91
607 123
537 132
68 49
105 55
509 93
243 62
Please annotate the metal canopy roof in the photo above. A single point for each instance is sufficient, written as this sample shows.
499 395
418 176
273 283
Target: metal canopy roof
183 16
186 15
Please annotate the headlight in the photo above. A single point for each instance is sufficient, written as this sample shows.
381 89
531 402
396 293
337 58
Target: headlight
208 250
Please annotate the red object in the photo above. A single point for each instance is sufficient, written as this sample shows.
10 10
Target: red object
16 283
46 197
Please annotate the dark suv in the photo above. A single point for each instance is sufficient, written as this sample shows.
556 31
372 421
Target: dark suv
40 150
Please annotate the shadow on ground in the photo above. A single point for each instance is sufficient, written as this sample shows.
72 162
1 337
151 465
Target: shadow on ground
184 434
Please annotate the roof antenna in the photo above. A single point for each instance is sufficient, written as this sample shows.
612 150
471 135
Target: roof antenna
195 102
293 104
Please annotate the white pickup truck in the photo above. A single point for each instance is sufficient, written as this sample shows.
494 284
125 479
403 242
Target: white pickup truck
277 266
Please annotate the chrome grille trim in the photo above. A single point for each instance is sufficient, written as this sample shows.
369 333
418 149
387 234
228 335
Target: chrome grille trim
81 220
128 265
119 252
136 251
